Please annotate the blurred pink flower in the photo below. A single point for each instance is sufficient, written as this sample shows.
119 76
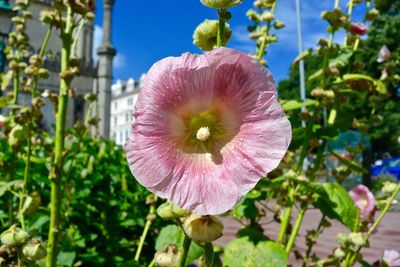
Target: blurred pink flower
384 54
358 28
391 258
2 119
364 200
207 128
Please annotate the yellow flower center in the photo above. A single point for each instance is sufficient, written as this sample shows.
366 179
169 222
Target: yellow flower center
203 130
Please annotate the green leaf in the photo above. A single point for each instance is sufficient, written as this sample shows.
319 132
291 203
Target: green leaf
172 234
3 102
288 105
66 258
380 87
335 202
6 186
315 75
302 56
341 60
351 164
39 223
245 209
242 252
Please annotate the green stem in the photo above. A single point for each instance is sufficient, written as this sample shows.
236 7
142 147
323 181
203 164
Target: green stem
145 230
349 11
295 230
221 27
184 253
56 174
208 255
261 49
41 54
78 32
25 182
285 223
319 230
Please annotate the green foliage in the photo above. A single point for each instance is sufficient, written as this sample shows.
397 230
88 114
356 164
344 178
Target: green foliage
243 252
334 201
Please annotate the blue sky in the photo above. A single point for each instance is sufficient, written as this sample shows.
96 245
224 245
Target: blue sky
147 31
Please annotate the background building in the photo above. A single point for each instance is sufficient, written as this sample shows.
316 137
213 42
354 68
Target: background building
93 77
124 95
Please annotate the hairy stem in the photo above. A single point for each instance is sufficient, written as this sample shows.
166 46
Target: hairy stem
261 49
221 27
295 230
146 229
284 224
184 253
208 254
56 174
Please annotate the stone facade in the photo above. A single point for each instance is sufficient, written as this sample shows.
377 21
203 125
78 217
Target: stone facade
124 96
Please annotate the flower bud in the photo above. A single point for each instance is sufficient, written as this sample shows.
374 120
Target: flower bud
168 257
14 236
279 24
356 238
205 35
389 187
358 28
252 15
372 14
202 229
170 211
221 3
17 133
34 250
267 16
339 253
2 121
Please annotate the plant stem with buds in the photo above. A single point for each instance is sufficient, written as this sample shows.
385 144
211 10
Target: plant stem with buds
57 172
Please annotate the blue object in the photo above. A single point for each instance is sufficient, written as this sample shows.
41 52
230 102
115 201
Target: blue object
388 166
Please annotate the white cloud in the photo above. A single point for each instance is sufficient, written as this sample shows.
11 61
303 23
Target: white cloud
119 61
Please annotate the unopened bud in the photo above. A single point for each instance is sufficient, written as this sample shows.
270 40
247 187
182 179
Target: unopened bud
389 187
356 238
279 24
252 15
34 250
221 3
205 35
14 236
339 253
202 229
170 211
267 16
168 257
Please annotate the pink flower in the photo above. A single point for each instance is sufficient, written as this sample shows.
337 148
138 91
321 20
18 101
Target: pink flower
384 54
391 258
207 128
364 200
2 120
358 28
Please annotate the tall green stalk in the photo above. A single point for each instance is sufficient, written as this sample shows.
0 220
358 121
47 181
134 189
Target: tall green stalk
56 174
221 27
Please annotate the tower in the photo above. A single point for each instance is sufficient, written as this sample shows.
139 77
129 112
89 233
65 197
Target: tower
106 53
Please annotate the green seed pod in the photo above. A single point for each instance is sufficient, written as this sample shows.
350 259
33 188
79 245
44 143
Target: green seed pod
221 3
34 250
202 229
205 35
14 236
356 238
279 24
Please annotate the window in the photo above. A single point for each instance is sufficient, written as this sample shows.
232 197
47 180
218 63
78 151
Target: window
127 117
130 101
115 105
115 120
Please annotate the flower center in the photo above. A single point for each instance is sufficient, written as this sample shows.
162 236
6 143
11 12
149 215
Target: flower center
362 203
203 134
198 130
